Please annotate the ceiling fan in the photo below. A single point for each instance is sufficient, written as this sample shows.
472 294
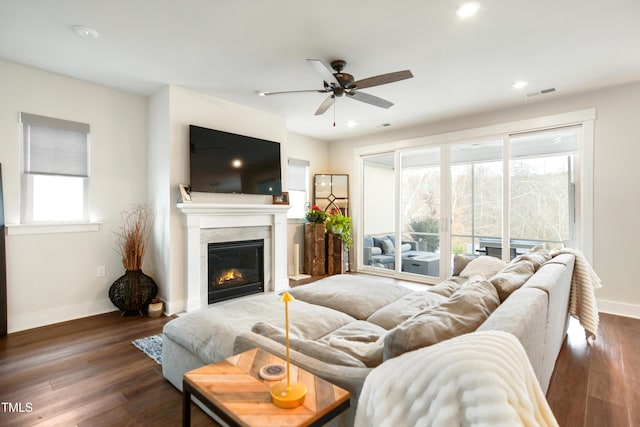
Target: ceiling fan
338 84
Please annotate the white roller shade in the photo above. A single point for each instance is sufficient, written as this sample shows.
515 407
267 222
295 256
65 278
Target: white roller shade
54 146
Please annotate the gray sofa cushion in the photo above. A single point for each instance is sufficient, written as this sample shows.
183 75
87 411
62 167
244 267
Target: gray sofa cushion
368 242
460 262
362 340
390 316
485 266
537 256
447 287
358 296
210 333
467 309
512 277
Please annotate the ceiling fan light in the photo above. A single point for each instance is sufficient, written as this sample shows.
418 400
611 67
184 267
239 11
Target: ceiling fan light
468 9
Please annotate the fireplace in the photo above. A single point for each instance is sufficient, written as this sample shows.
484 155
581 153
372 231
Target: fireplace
235 269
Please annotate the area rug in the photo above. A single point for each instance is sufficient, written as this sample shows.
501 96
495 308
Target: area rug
151 346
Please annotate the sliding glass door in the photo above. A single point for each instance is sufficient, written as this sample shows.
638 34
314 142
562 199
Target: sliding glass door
497 196
542 183
420 211
476 196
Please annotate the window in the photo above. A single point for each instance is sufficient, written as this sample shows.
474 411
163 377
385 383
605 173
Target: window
55 166
497 191
476 195
298 186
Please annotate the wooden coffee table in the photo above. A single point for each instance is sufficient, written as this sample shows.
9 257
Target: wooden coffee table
234 391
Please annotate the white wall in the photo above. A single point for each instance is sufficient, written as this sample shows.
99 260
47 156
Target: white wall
173 110
52 277
316 152
616 194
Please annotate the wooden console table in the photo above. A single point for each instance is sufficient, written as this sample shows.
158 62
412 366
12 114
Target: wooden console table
234 391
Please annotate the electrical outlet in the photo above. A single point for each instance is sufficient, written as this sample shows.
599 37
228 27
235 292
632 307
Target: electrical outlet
101 271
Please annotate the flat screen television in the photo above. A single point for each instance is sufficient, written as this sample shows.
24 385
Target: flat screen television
223 162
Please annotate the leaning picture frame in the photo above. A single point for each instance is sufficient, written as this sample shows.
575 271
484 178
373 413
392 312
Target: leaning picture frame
281 199
185 193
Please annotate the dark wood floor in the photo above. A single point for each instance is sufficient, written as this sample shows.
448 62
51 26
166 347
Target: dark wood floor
87 373
599 385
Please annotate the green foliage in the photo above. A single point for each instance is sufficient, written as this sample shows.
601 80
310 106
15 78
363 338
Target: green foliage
425 224
315 215
337 223
458 249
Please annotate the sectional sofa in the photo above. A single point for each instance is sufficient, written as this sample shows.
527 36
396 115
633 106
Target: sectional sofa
344 326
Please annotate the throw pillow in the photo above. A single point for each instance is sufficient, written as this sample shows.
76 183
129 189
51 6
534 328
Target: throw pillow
512 277
387 247
405 247
460 262
408 306
484 265
538 255
447 287
376 250
464 312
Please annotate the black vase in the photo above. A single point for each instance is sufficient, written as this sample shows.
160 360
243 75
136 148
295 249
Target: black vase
132 292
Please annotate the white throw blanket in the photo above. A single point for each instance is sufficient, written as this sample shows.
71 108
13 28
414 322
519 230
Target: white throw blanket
582 299
477 379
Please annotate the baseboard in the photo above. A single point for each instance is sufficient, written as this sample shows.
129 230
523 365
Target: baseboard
34 319
173 307
619 308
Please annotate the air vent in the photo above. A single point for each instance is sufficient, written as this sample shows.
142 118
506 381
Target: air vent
541 92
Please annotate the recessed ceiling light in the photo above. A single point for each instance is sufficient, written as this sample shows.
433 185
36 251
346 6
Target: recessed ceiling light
351 124
468 9
86 32
519 85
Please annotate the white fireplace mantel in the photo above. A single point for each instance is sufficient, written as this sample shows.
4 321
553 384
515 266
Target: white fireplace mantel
200 216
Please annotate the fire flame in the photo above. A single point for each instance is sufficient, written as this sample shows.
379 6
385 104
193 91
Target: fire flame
231 275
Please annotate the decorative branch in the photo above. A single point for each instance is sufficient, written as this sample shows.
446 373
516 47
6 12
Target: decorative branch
134 234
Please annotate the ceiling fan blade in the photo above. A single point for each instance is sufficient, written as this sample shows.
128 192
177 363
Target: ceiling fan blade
370 99
382 79
293 91
325 105
324 71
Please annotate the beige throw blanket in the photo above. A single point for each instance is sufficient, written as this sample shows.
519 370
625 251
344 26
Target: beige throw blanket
582 299
477 379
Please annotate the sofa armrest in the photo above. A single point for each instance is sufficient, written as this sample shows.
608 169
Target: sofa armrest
366 255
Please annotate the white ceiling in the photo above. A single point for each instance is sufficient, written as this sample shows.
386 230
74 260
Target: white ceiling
233 49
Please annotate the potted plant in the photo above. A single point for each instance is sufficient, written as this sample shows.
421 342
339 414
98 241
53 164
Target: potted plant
133 291
339 224
315 215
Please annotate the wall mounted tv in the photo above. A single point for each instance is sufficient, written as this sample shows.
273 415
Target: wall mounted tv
223 162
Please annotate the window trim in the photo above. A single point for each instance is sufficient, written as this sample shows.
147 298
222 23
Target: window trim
584 169
26 181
